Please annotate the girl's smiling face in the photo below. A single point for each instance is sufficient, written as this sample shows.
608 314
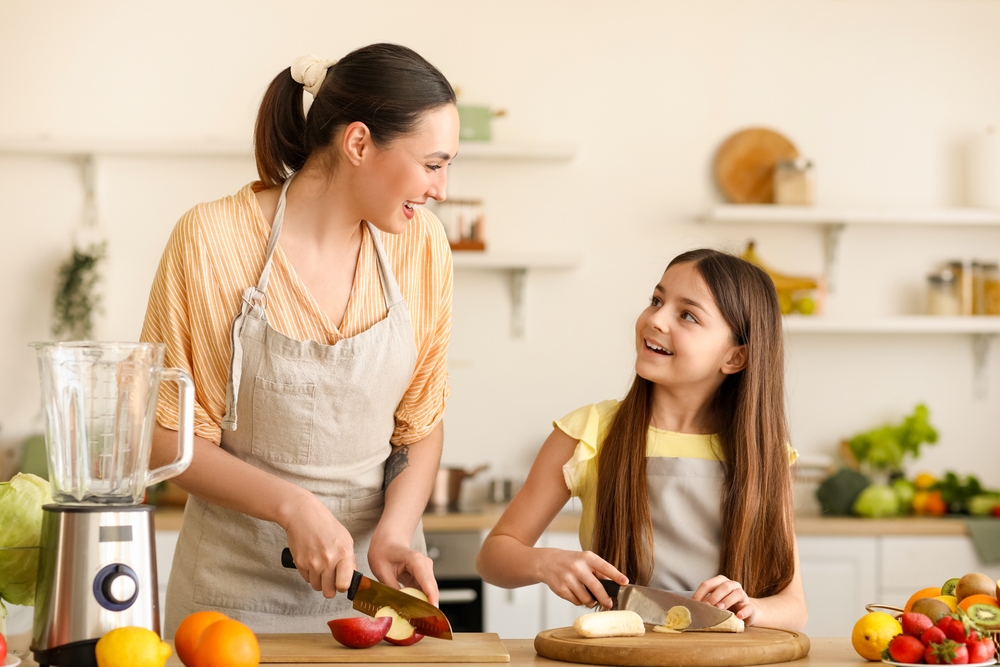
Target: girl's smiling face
681 338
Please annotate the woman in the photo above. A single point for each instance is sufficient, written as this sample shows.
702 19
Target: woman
313 309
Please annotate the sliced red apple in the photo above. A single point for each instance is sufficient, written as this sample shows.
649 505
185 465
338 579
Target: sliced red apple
401 633
360 631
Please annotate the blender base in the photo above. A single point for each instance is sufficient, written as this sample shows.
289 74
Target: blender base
77 654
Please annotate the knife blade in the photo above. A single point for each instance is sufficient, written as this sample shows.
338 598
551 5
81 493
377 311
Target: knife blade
652 605
368 596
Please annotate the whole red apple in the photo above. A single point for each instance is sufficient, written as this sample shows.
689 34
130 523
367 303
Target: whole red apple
360 631
3 649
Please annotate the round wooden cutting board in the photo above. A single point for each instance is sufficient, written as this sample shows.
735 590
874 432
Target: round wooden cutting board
744 165
755 646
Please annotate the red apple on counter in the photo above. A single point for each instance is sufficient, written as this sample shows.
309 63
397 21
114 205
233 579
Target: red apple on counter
360 631
401 633
3 649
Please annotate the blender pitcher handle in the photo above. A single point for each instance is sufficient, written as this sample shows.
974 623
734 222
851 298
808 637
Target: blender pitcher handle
185 431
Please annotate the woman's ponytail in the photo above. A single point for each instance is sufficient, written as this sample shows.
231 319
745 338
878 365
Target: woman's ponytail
279 134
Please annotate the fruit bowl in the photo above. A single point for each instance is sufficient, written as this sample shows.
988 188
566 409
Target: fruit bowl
974 664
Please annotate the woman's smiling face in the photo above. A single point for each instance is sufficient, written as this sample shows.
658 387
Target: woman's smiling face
409 171
681 338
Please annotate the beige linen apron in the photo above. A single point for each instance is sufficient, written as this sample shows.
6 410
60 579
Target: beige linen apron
685 497
317 415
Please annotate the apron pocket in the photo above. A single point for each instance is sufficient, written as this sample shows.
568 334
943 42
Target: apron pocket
282 421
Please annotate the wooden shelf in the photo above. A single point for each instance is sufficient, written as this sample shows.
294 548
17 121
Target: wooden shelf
900 324
485 150
827 215
217 147
517 266
512 261
121 147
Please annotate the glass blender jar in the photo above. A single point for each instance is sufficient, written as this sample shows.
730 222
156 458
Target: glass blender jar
97 560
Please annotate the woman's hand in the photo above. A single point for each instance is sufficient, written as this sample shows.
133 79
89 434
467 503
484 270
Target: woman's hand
575 575
322 548
396 564
725 593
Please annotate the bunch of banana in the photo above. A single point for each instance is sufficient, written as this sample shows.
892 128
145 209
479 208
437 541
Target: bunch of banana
785 285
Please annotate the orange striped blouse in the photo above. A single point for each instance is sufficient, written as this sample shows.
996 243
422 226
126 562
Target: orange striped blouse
217 250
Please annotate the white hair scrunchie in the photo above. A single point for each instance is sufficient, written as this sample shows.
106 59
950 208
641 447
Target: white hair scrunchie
310 71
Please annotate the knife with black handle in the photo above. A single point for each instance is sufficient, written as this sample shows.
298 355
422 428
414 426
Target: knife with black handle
652 604
368 596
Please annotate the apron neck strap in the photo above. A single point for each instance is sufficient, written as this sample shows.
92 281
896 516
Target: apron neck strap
272 240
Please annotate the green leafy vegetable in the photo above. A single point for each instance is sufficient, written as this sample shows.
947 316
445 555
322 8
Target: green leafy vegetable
957 491
837 493
885 447
21 501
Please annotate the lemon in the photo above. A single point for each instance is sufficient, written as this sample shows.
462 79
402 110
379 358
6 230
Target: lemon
872 633
131 647
949 600
924 481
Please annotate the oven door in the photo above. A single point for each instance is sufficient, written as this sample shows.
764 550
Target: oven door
454 556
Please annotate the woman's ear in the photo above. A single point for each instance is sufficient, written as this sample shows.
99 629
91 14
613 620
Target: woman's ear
736 360
356 142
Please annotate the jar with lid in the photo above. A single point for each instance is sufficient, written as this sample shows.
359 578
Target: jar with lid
793 182
988 289
962 284
942 297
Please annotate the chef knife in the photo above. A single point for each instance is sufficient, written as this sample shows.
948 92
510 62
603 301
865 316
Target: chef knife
368 596
653 604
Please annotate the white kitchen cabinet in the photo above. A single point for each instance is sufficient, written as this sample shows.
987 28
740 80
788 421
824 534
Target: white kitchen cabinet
556 612
910 563
840 576
514 613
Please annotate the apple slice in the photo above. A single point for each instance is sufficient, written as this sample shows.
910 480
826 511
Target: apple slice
401 633
360 631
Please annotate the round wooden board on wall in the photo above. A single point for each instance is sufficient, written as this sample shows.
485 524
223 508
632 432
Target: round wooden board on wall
755 646
744 165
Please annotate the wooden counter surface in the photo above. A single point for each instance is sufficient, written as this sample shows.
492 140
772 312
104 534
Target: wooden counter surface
171 518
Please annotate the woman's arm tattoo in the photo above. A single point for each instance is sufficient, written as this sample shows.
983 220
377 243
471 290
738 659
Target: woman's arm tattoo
397 462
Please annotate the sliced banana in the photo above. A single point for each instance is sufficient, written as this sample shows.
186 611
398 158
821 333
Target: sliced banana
619 623
678 619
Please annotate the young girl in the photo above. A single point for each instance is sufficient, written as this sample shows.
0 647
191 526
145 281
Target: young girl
684 484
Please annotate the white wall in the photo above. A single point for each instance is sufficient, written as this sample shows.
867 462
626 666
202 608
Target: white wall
880 93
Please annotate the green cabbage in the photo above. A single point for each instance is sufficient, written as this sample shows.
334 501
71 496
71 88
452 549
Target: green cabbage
878 500
21 501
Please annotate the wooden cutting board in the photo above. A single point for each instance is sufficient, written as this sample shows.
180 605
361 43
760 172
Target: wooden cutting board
744 165
755 646
312 648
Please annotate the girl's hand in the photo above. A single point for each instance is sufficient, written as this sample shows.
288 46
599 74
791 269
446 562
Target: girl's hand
575 576
322 548
396 564
725 593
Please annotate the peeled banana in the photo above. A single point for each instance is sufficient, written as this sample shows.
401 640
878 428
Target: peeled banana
618 623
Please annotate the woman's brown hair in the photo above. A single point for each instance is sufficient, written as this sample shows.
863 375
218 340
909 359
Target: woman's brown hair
757 540
385 86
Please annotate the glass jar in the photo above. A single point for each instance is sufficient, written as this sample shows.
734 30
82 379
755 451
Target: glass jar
991 288
793 182
942 297
962 284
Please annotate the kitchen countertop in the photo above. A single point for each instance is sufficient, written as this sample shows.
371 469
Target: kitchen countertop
824 652
171 518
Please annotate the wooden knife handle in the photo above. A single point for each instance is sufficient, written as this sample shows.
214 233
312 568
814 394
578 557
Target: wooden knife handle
289 562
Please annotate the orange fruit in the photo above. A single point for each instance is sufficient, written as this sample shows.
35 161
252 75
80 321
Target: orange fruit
227 643
978 598
931 592
189 632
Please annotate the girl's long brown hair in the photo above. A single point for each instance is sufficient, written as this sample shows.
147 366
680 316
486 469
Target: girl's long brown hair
757 540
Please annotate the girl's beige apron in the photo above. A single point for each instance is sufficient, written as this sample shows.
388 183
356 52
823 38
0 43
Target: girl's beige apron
319 416
684 500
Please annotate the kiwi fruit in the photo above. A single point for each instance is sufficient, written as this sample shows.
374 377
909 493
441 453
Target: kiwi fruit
949 587
974 583
931 608
986 616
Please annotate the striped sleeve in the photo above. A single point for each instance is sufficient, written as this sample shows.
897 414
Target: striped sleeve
423 403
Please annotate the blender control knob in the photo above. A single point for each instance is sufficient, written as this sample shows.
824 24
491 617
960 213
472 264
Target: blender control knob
116 587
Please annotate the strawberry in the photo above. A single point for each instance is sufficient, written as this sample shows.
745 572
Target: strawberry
906 648
948 652
914 624
990 645
933 635
978 651
954 629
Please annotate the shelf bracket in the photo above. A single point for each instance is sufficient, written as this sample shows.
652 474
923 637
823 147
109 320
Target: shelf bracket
980 358
518 281
831 247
